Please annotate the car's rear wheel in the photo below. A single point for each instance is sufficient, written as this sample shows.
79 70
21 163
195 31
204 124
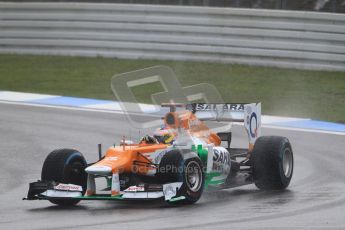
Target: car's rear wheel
65 166
272 162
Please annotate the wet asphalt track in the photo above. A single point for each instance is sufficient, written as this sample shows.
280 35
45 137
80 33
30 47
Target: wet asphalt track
314 200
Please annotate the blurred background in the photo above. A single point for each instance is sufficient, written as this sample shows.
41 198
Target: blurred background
288 54
337 6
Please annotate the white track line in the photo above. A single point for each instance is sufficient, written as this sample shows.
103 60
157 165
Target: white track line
303 130
62 107
140 114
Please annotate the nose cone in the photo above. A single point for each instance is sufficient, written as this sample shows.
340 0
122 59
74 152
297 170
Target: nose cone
98 170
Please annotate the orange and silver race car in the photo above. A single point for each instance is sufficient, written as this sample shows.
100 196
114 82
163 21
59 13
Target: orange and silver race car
176 164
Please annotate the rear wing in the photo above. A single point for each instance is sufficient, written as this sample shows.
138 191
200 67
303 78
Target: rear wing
248 113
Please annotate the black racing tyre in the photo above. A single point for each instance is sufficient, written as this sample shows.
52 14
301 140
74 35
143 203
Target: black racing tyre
169 167
173 168
65 166
272 162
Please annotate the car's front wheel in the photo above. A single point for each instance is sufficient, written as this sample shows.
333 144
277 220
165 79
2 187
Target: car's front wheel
65 166
174 168
193 180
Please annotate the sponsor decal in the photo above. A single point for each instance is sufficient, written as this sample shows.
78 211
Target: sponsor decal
112 158
135 189
224 107
253 122
221 160
220 155
68 187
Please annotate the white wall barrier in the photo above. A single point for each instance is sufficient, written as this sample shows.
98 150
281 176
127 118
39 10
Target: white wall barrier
304 40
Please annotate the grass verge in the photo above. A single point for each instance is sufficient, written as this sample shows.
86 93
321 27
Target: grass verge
284 92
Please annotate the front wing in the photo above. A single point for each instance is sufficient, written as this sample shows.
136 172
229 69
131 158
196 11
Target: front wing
47 190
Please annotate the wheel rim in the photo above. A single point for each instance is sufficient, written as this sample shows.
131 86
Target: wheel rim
193 176
287 162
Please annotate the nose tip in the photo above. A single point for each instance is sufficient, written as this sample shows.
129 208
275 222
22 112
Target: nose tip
98 169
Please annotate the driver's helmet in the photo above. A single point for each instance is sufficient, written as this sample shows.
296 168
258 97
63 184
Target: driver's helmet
147 139
164 135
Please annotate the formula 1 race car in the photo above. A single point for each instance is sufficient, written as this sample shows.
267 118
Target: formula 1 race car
176 165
